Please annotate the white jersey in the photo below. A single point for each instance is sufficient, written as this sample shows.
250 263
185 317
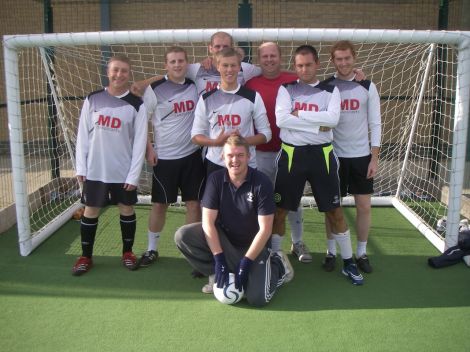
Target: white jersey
360 114
207 80
318 105
111 139
241 109
172 106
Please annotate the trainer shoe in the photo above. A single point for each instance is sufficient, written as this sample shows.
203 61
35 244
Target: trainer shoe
147 258
441 224
329 263
463 225
209 287
363 264
302 252
288 269
82 265
129 260
350 270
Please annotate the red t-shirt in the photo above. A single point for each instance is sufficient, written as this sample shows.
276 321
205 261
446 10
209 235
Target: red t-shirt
268 89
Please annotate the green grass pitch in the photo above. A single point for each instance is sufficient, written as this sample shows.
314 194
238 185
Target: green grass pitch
404 305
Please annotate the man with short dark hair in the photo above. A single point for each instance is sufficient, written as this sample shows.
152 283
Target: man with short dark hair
306 110
237 216
267 85
177 163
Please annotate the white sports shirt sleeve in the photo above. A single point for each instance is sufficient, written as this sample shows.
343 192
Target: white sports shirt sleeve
307 121
82 147
191 73
261 118
328 118
150 101
249 71
201 122
374 118
139 146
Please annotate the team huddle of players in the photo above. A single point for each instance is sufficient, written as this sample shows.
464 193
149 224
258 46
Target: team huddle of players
238 142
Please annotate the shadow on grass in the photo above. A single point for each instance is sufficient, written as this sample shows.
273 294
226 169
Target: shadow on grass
399 281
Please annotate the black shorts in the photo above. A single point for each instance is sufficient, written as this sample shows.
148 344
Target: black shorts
353 176
316 164
211 167
99 194
185 174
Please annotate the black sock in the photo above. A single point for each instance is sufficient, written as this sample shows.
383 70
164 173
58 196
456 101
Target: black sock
128 226
88 228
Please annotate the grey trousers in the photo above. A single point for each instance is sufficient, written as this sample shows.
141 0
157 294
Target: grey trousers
266 273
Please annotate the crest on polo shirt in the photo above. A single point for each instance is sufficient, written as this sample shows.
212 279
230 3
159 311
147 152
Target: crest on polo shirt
250 197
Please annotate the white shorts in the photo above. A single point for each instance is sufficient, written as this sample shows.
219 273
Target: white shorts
266 162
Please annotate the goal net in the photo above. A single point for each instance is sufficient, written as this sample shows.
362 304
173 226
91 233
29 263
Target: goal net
422 78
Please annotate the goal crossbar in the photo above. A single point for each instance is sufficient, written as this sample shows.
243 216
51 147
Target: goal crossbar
239 34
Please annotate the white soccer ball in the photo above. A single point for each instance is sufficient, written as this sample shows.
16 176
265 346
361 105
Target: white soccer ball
228 294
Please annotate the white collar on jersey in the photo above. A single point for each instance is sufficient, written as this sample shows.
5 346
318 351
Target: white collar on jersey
351 79
310 84
182 82
118 96
229 91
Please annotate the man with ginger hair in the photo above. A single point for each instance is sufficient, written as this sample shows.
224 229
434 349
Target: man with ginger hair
356 140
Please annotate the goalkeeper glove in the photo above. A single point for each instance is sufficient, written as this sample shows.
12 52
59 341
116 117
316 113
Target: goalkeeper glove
221 270
241 276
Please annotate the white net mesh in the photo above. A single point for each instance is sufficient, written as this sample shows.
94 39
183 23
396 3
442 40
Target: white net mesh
49 127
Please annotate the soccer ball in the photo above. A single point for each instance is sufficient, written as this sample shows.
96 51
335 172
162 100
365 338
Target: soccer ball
228 294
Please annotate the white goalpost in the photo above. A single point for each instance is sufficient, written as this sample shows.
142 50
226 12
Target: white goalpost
423 78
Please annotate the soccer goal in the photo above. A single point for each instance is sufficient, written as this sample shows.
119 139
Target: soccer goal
423 78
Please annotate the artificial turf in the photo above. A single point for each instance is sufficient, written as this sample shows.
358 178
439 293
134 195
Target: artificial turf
404 305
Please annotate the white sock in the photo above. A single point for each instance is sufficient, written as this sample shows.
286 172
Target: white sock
296 224
344 243
331 246
276 242
361 248
153 238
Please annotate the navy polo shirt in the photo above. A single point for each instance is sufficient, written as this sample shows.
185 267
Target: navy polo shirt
239 208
